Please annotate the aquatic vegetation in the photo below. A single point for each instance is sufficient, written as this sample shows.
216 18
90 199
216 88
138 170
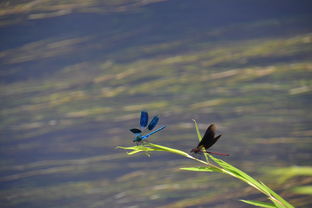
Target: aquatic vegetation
220 167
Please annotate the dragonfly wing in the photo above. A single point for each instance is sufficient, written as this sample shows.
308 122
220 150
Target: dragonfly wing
136 131
208 138
153 123
144 119
212 142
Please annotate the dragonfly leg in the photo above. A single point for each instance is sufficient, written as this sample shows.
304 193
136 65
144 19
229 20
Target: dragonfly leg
147 154
194 154
197 155
145 141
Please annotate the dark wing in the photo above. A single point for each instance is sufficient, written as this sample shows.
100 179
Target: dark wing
209 138
213 142
144 119
135 131
153 123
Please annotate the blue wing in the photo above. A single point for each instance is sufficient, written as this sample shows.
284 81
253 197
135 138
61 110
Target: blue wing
136 131
144 119
153 132
153 123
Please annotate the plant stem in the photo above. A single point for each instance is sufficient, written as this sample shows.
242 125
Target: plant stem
272 198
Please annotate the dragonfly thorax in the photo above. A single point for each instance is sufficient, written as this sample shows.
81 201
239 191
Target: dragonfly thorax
137 138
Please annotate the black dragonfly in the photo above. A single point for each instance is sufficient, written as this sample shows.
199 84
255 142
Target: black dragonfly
207 141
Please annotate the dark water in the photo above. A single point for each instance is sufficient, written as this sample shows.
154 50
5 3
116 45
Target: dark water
72 85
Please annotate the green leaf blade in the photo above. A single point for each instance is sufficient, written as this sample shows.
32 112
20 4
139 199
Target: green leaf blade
259 204
168 149
199 136
202 169
197 131
278 197
137 149
240 174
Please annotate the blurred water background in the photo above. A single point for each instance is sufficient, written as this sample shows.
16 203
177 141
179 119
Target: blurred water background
75 75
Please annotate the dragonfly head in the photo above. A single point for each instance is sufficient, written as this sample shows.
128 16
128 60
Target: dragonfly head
196 150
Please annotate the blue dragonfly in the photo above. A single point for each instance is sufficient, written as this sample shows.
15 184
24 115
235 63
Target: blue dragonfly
139 134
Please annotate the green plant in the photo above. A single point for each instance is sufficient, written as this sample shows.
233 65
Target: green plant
220 166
